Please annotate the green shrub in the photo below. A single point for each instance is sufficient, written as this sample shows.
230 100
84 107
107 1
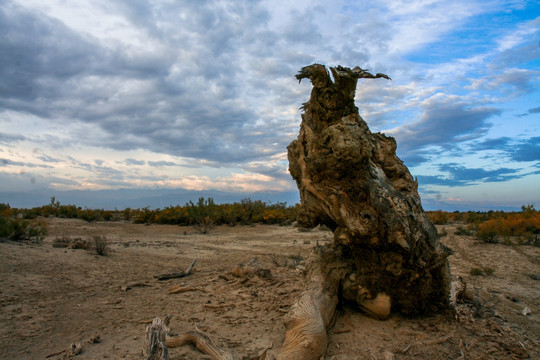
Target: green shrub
19 229
476 271
463 231
487 271
487 234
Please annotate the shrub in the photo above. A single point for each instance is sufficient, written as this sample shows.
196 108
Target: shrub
487 271
476 271
438 217
463 231
19 229
487 233
201 214
101 244
443 232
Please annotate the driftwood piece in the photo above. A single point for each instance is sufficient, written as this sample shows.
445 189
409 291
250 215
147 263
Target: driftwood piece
156 348
202 342
176 275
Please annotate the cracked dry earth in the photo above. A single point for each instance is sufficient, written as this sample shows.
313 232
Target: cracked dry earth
244 281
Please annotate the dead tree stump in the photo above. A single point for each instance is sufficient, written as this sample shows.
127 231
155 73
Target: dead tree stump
386 256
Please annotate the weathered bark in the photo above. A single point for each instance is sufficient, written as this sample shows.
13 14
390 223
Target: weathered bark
351 180
156 333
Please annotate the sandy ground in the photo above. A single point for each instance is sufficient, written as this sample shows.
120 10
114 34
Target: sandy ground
53 297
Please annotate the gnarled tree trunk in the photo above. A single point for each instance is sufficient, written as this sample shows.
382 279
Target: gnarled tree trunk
386 256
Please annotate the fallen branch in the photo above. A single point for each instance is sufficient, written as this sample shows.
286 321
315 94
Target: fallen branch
176 275
137 284
202 342
182 289
73 350
55 353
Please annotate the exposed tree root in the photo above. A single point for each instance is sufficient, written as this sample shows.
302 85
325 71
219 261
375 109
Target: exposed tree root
202 342
309 317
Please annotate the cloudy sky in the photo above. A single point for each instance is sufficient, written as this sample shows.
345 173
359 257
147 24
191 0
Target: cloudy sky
201 95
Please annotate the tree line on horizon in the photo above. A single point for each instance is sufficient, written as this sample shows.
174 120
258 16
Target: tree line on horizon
488 226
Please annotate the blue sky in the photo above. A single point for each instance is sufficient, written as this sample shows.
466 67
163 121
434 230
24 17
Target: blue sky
201 95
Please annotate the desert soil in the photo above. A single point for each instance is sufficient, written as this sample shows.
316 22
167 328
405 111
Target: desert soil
52 297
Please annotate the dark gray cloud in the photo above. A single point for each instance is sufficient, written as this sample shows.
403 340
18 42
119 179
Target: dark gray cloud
458 175
186 97
515 150
445 122
467 175
6 162
38 56
529 112
502 143
528 150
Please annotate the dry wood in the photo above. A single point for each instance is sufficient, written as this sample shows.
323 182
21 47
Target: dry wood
202 342
73 350
182 289
176 275
156 349
55 353
307 322
132 285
